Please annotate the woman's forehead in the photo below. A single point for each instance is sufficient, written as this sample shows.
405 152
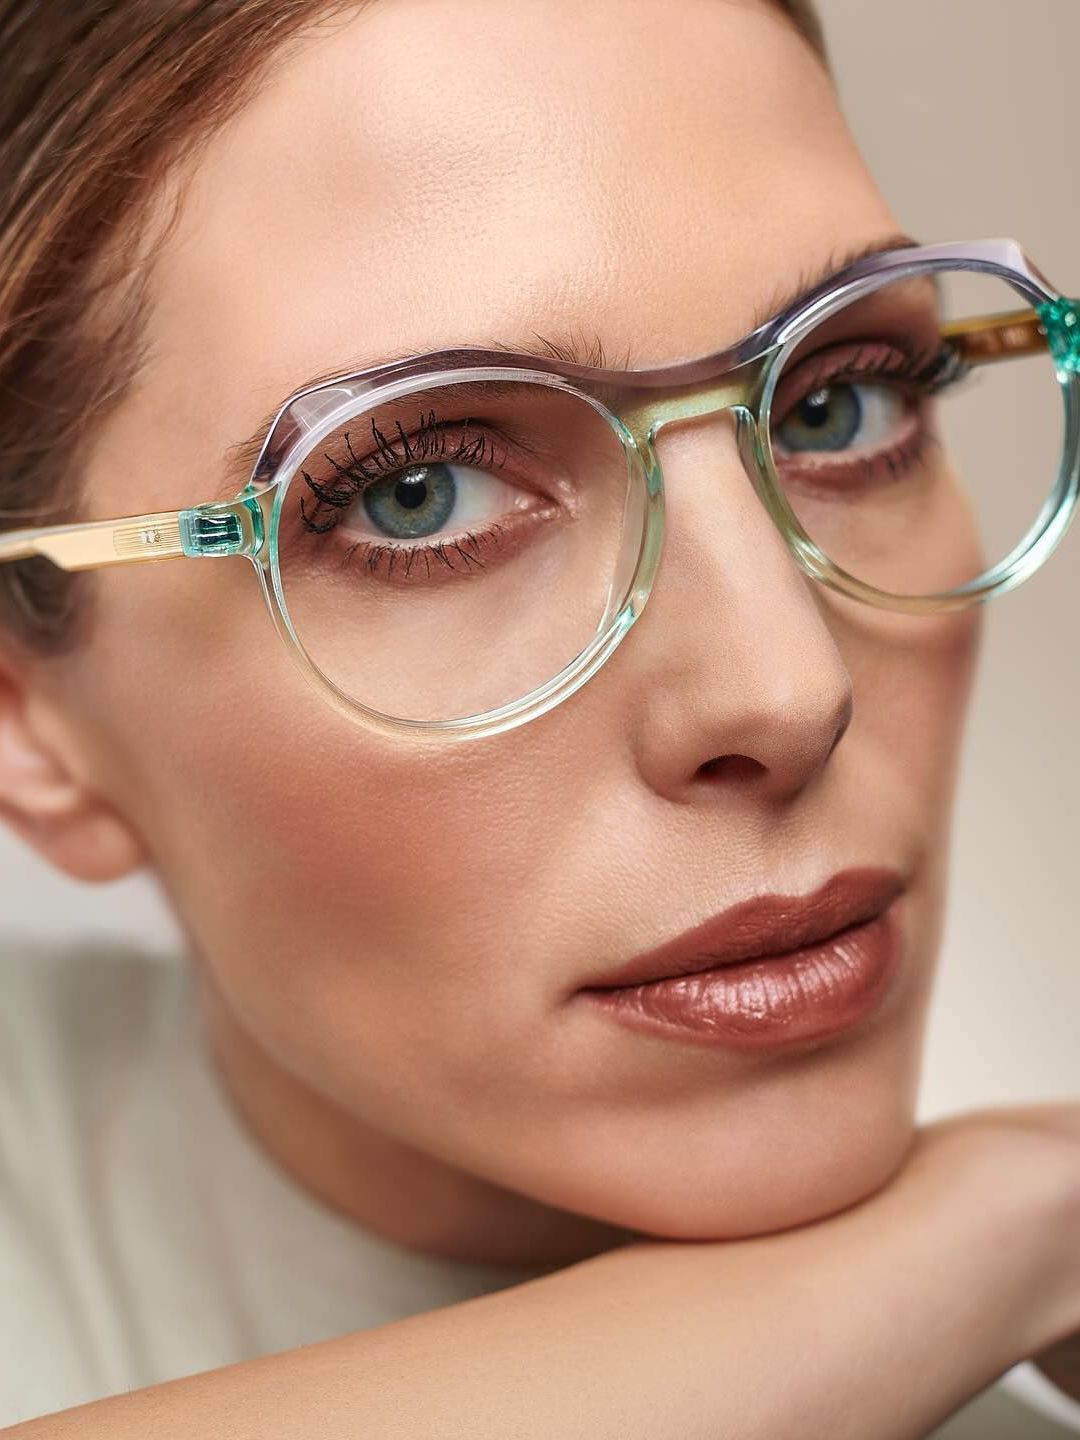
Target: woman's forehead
403 183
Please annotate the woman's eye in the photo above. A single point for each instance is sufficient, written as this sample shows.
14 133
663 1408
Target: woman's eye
418 501
841 416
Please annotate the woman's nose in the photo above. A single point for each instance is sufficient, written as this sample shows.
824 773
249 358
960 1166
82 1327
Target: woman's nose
739 680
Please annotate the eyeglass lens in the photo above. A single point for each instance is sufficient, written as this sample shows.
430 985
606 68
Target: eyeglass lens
453 550
910 468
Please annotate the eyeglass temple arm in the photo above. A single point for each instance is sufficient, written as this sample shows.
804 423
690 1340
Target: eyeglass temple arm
236 527
219 528
984 339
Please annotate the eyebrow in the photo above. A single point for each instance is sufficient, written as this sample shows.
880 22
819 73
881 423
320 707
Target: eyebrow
571 348
808 280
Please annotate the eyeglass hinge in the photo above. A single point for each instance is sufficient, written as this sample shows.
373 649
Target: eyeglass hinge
1061 322
233 528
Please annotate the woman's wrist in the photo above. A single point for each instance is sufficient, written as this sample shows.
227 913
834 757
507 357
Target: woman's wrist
1022 1165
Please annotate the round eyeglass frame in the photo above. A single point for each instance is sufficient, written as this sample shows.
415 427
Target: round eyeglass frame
741 379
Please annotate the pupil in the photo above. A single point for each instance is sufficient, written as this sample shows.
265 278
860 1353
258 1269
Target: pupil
411 491
814 410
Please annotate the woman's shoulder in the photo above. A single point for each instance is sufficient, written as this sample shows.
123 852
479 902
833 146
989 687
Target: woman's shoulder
69 1003
48 962
20 950
64 958
85 1122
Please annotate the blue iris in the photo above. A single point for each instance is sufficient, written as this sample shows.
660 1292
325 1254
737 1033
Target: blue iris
826 419
412 503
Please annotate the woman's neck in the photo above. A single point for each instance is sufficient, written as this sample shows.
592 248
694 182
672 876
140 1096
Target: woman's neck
386 1186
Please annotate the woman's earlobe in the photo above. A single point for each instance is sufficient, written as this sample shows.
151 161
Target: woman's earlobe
49 807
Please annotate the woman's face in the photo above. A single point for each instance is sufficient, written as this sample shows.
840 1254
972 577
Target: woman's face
396 930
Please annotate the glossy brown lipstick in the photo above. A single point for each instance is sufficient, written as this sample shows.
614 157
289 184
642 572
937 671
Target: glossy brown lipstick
770 971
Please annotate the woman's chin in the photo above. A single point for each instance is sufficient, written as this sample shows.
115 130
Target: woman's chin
746 1201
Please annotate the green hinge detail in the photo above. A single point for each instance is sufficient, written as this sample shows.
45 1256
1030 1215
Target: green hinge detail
212 530
1061 321
203 534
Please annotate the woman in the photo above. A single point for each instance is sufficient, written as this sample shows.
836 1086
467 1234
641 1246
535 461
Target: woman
407 926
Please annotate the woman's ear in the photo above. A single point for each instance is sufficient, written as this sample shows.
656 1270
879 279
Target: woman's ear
43 799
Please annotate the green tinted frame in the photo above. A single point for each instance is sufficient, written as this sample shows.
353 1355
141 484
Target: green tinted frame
741 379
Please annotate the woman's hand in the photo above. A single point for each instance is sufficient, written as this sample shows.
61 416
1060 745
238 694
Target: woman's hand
1047 1136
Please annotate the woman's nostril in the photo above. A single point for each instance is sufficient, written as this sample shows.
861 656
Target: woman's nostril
731 766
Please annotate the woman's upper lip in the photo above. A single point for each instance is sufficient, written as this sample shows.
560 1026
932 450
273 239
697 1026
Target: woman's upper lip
763 926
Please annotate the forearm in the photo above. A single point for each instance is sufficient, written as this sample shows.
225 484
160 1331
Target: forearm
879 1321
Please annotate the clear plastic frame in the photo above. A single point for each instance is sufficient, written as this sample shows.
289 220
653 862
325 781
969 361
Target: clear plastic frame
791 452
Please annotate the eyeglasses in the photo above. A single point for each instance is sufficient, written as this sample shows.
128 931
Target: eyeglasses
452 544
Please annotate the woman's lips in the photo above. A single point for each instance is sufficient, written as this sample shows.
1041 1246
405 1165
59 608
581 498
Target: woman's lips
766 925
810 993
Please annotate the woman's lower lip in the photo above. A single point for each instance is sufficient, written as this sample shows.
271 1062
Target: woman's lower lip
807 994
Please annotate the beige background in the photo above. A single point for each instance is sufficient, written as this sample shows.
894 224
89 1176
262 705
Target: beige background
972 133
967 114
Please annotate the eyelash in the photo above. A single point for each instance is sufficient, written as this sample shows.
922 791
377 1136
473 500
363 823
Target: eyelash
429 442
927 373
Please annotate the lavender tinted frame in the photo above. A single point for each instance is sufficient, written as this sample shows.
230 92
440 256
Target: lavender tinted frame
741 379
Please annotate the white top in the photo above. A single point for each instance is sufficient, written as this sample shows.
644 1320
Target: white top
145 1234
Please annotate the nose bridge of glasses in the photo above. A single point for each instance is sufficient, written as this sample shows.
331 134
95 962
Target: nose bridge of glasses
733 393
737 394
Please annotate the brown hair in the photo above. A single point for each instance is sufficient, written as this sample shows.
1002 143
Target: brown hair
95 97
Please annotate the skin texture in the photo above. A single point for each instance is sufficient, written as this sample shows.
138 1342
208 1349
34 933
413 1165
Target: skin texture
386 934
